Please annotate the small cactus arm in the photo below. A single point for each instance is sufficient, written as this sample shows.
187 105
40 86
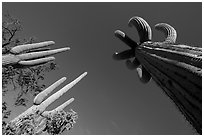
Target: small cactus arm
36 120
176 68
30 54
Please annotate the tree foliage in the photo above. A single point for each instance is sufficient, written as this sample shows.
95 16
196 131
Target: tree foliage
53 125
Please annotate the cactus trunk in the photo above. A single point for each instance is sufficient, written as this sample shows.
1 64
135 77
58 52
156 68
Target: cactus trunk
178 72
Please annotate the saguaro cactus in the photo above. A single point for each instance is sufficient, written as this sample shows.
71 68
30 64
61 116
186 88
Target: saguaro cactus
36 120
176 68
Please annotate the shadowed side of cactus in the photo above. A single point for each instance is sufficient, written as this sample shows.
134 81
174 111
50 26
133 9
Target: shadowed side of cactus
176 68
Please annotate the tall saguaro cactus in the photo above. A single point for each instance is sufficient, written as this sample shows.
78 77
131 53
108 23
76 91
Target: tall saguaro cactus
36 120
176 68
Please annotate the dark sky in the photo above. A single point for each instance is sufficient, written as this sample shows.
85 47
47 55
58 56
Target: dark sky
110 99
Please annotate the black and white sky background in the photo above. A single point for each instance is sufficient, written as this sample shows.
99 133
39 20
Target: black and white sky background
110 99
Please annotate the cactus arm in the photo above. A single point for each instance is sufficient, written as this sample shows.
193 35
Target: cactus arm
35 54
59 108
169 31
176 68
65 104
35 62
41 96
140 24
32 55
26 47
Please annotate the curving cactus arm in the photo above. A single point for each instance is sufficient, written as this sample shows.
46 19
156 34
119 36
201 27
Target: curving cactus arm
176 68
30 54
38 119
